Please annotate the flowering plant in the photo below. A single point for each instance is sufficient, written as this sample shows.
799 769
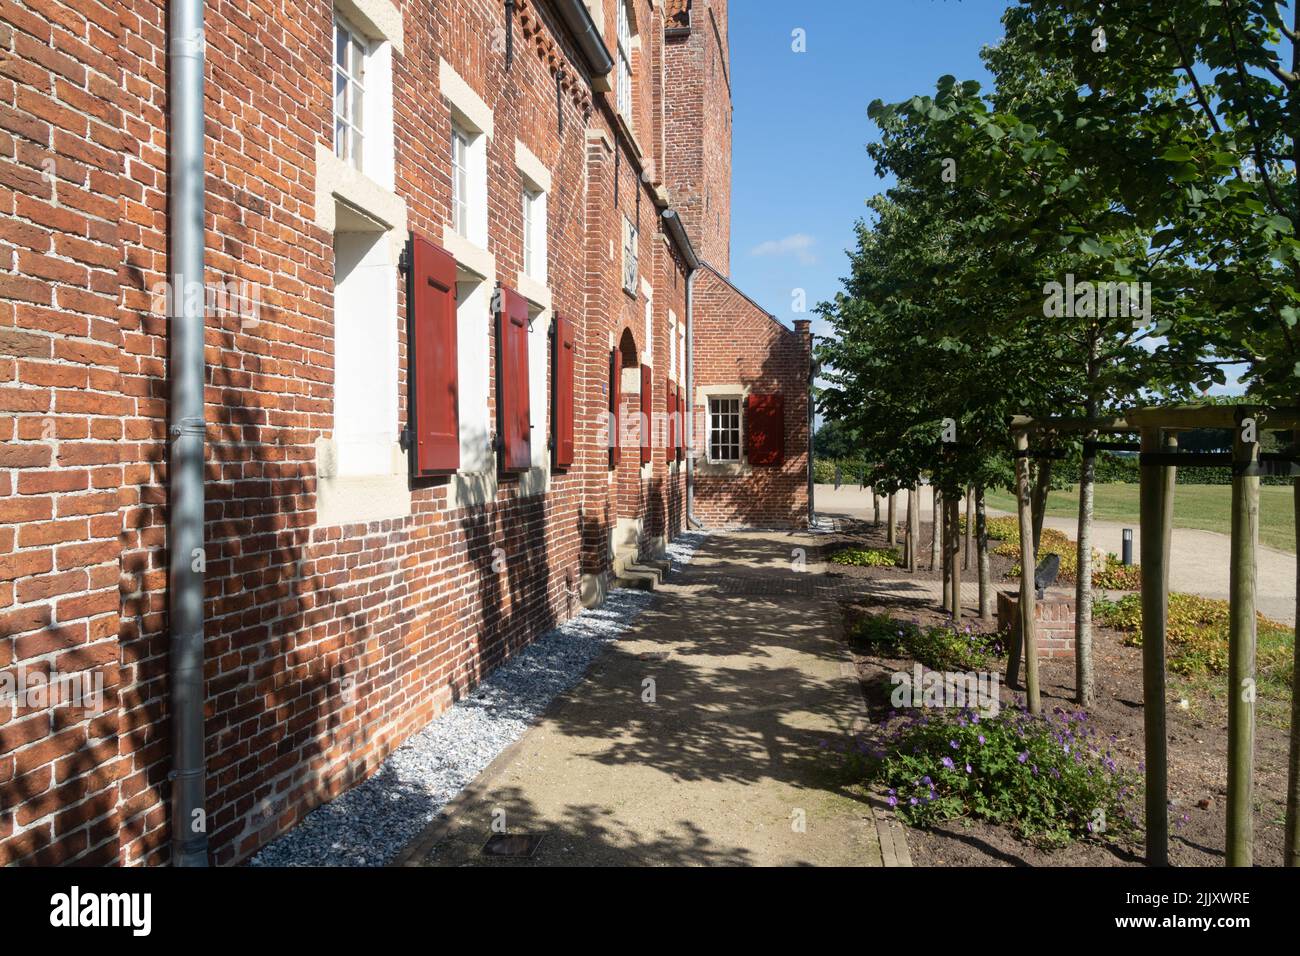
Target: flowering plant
1049 776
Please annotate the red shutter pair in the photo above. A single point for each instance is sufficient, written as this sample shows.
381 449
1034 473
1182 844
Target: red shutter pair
562 393
681 424
765 429
674 428
434 407
514 425
615 404
647 412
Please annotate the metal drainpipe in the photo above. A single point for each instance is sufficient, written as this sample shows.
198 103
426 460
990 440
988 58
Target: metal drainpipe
690 400
185 372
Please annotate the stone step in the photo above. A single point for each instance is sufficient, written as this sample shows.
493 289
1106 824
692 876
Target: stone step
637 580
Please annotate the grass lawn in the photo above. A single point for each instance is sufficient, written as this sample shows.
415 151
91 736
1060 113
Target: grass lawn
1205 507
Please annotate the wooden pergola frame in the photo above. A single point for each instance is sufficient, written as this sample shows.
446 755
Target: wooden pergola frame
1159 460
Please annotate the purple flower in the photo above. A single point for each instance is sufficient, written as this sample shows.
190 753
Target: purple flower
1023 756
893 801
953 744
981 740
947 762
968 768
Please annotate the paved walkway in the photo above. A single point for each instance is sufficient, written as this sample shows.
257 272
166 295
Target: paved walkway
1199 558
696 740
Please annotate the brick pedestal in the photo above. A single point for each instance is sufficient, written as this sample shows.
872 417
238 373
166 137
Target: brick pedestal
1054 615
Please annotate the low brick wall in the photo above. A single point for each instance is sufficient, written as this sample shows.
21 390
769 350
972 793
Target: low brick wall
1054 616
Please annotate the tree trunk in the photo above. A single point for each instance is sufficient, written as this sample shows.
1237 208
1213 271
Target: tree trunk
913 527
891 535
875 507
1291 848
1039 502
945 553
982 553
954 561
1083 587
970 528
935 511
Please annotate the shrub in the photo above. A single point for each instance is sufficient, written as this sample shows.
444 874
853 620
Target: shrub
868 557
941 647
1116 576
1053 542
1197 635
1050 777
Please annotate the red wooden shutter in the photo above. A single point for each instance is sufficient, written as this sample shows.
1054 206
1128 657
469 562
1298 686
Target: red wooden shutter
562 391
670 437
681 424
615 404
435 411
765 429
513 422
647 412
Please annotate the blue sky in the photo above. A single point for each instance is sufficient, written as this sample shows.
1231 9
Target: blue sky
800 172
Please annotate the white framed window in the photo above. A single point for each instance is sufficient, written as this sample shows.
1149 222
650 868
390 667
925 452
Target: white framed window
460 160
350 52
630 246
534 209
624 91
724 429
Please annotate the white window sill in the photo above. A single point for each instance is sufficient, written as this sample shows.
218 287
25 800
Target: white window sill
358 499
537 293
723 469
474 261
338 184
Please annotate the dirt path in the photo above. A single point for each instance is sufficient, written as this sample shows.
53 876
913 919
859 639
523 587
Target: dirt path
697 740
1199 558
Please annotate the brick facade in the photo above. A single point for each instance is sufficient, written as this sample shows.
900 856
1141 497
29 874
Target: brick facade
327 644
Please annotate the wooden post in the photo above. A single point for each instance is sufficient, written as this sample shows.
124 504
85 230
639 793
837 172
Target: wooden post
935 511
1028 628
1155 609
1242 583
954 563
1291 841
891 535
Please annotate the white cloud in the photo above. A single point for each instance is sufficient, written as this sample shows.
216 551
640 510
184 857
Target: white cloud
798 244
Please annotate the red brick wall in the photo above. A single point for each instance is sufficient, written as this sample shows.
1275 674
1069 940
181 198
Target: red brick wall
697 68
325 647
737 343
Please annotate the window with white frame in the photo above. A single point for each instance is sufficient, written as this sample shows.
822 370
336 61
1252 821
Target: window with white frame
724 429
350 50
624 92
534 206
630 247
460 190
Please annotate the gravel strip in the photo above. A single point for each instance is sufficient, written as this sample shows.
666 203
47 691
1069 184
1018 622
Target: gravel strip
371 823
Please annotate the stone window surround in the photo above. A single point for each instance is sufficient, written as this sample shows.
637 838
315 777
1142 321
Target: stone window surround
347 198
712 469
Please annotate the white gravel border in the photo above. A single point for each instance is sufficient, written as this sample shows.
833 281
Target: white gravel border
374 821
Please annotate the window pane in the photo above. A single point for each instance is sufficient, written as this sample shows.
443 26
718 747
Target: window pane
340 47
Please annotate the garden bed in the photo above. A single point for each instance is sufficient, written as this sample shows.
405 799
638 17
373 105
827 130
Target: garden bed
1197 750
